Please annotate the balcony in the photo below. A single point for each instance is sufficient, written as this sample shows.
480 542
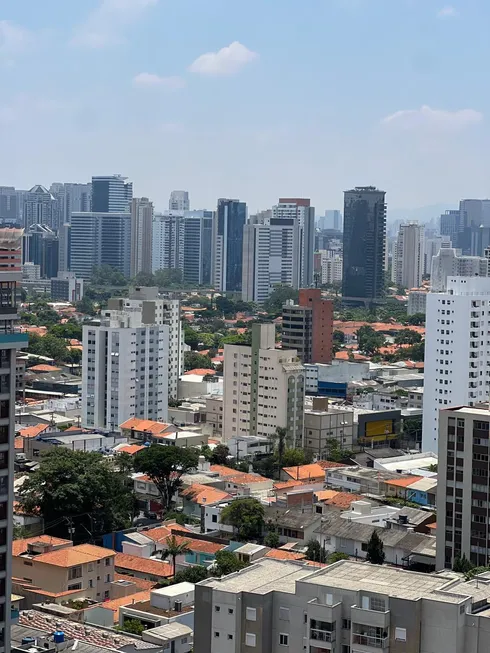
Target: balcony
372 642
322 636
375 618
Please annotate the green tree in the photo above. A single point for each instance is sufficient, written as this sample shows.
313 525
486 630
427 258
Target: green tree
246 515
338 337
408 337
79 489
375 550
194 574
174 547
165 467
272 539
191 337
368 340
295 457
133 626
195 361
86 306
415 352
144 279
106 275
280 439
220 455
336 556
226 562
278 298
68 330
169 278
225 306
315 552
417 319
462 564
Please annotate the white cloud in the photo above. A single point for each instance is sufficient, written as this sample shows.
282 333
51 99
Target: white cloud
434 119
447 12
108 23
13 40
173 83
227 61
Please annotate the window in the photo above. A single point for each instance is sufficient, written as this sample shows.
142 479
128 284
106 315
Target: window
91 583
377 604
214 518
283 639
75 572
108 578
77 586
251 615
108 562
106 594
250 639
230 610
401 634
346 624
216 633
230 636
345 648
284 614
217 608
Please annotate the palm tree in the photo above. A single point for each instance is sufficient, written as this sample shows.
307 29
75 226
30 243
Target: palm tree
281 434
175 547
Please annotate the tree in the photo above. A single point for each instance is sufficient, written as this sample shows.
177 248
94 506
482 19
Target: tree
86 306
462 564
368 340
280 437
195 361
71 329
246 515
335 453
171 277
336 556
225 306
219 455
338 337
315 552
417 319
295 457
415 352
272 539
174 547
375 550
143 279
133 626
278 298
79 489
408 337
226 562
194 574
165 467
106 275
191 337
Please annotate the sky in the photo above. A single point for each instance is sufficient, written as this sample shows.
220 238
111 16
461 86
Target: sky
251 99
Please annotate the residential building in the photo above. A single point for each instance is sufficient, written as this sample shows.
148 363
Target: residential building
72 198
301 211
100 239
41 246
148 308
66 288
363 245
263 388
431 248
141 235
322 426
10 206
457 353
111 194
328 267
41 207
463 485
167 241
308 326
448 263
214 414
198 231
179 201
417 301
408 256
10 342
227 245
125 369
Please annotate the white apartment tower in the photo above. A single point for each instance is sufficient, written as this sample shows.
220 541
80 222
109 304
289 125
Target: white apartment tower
125 371
432 247
141 235
457 351
179 201
408 256
263 388
167 241
447 263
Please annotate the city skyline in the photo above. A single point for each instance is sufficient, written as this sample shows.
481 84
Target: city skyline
315 148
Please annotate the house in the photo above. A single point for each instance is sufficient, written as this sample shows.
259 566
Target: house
168 605
73 439
308 473
418 489
107 613
244 485
250 552
55 568
292 525
145 429
174 636
361 480
27 522
139 567
196 497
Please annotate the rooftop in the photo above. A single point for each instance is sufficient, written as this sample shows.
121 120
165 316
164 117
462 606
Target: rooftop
204 494
115 604
146 425
305 472
20 546
74 555
143 565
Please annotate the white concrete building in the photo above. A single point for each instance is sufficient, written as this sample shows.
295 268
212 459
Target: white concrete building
431 249
263 388
331 266
179 201
448 263
125 368
141 235
408 256
417 302
457 351
167 241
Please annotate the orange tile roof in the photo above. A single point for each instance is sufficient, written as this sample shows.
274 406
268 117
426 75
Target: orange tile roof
73 428
204 494
242 478
329 464
200 371
145 425
44 368
160 533
404 482
32 431
115 604
323 495
131 449
344 356
284 485
201 546
279 554
20 546
140 583
143 565
305 472
223 470
38 331
340 500
75 555
434 525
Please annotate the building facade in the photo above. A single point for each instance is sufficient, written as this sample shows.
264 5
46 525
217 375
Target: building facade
41 246
308 326
263 388
448 263
408 256
111 194
417 302
431 248
66 288
167 241
179 201
72 198
40 207
363 245
197 238
301 211
141 235
227 245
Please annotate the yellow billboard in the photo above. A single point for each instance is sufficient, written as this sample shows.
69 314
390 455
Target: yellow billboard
381 427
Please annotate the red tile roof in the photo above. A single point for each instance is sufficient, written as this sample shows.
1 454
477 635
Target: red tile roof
305 472
143 565
204 494
75 555
146 425
44 368
200 371
280 554
140 583
115 604
131 449
32 431
20 546
404 482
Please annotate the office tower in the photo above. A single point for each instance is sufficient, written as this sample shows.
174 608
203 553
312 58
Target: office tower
263 388
66 288
9 204
111 194
100 239
432 246
227 245
363 245
40 245
463 486
64 258
308 326
40 207
167 241
457 350
448 264
198 230
72 198
408 256
152 309
300 210
450 225
141 235
124 371
10 342
179 201
333 220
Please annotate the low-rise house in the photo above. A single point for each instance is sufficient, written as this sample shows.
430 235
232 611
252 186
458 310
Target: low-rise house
245 447
173 604
173 636
197 497
405 519
244 485
292 525
361 480
73 439
27 522
146 430
107 613
139 567
214 414
309 473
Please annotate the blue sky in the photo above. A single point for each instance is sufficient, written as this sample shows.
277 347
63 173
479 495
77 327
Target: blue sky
253 99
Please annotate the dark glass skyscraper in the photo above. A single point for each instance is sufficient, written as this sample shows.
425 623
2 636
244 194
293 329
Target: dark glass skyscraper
230 219
364 245
112 194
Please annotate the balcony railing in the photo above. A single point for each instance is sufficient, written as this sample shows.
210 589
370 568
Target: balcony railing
322 635
367 640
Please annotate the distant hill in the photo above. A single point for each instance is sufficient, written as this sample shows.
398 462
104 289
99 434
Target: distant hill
422 214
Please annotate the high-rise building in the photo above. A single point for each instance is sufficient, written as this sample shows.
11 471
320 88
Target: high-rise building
64 258
450 225
72 198
432 246
364 245
141 235
301 211
179 201
333 220
111 194
457 350
308 326
408 256
9 204
463 486
227 245
124 370
154 309
10 341
100 239
328 267
40 245
41 207
167 241
263 388
448 264
198 231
